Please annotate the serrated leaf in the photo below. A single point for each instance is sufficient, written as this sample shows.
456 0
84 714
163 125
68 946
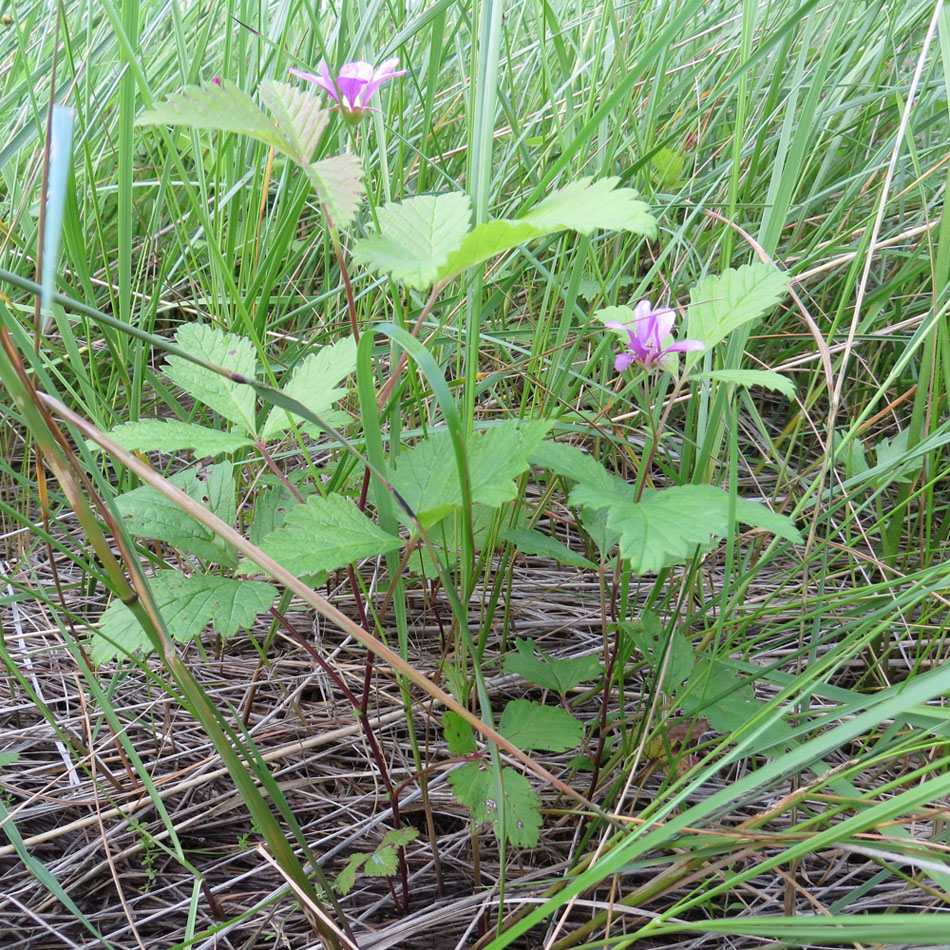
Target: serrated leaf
542 545
234 401
187 605
382 862
347 877
338 181
173 435
272 503
657 648
476 790
720 304
549 672
400 837
150 514
499 455
571 462
487 241
300 117
324 534
530 725
416 237
889 455
587 205
666 527
225 108
458 734
752 377
314 383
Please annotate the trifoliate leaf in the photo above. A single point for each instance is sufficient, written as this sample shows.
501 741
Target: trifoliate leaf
548 672
223 107
314 384
666 527
476 789
543 545
338 181
719 305
587 205
300 117
324 534
187 605
752 377
149 513
382 862
173 435
458 734
416 237
234 401
347 877
530 725
400 837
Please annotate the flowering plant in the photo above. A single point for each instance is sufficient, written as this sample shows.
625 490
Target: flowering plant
648 331
354 85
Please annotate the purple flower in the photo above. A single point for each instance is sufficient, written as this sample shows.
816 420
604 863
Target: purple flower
354 85
650 331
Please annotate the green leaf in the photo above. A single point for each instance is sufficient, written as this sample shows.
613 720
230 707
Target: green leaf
224 108
187 605
324 534
542 545
458 734
571 462
889 455
530 725
272 503
587 205
300 117
487 241
718 305
400 837
347 877
338 181
752 377
173 435
651 640
666 527
234 401
150 514
8 758
416 237
667 166
314 383
548 672
499 455
477 791
382 862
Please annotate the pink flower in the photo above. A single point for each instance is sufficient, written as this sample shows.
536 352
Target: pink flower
354 85
650 331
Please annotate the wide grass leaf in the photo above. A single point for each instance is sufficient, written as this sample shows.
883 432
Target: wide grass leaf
324 534
234 401
547 671
416 237
173 435
187 605
475 789
530 725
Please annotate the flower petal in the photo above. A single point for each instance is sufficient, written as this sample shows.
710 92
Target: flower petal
685 346
622 361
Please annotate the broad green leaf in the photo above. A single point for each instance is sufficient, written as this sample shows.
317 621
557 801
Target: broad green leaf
752 377
658 648
225 108
499 455
720 304
587 205
666 167
543 545
416 237
530 725
458 734
234 401
272 502
382 862
487 241
889 455
666 527
7 758
173 435
547 671
150 514
187 605
324 534
400 837
300 117
571 462
347 877
314 383
338 181
475 789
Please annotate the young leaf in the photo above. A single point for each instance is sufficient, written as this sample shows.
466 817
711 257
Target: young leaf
324 534
300 117
718 305
400 837
548 672
338 181
225 108
173 435
347 877
314 383
458 734
530 725
752 377
187 605
150 514
234 401
475 788
382 862
416 237
543 545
